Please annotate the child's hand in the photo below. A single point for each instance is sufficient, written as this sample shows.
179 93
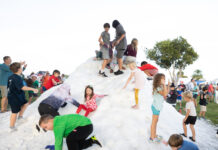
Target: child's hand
124 87
74 130
35 91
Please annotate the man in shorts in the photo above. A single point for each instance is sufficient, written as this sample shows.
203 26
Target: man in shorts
121 44
5 72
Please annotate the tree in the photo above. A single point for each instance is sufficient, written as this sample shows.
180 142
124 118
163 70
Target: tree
197 74
173 56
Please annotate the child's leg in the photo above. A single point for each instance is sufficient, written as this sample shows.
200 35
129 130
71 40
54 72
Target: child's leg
203 113
13 119
30 100
88 111
193 131
200 113
185 128
76 140
105 61
23 108
154 126
80 108
136 98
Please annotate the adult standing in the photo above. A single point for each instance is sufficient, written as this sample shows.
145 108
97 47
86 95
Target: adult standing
190 85
121 44
5 72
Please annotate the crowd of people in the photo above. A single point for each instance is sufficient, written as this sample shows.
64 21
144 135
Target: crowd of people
77 128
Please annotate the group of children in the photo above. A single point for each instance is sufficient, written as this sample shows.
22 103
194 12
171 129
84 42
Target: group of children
76 128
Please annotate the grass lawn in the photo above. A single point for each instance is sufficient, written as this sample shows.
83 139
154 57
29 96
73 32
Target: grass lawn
211 114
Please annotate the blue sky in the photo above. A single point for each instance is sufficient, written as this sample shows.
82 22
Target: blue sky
51 34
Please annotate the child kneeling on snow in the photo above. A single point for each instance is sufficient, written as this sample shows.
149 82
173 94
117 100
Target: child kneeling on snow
176 142
75 128
191 116
140 81
160 91
16 95
90 100
51 104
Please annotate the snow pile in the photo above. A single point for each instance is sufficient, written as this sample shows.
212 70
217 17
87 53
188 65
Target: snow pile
116 125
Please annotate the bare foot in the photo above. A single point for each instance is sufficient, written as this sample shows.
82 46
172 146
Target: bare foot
135 107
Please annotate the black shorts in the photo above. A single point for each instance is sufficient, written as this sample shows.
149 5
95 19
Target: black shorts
195 96
47 109
191 120
16 105
32 95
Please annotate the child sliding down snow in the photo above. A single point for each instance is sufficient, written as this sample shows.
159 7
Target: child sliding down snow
51 104
140 81
75 128
160 91
90 100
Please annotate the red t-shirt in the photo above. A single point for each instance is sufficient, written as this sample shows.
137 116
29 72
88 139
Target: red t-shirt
147 67
49 84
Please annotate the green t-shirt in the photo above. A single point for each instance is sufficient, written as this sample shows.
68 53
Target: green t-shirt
35 85
64 125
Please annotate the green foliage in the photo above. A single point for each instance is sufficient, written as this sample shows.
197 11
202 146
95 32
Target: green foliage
197 74
177 52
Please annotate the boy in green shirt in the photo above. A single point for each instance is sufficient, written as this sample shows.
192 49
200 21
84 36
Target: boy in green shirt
75 128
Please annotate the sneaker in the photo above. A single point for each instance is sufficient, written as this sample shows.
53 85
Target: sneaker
102 74
95 141
159 137
119 72
183 134
155 140
12 129
191 138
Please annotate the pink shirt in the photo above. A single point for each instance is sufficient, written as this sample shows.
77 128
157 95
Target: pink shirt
91 103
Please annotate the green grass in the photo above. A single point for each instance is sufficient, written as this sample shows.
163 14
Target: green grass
211 114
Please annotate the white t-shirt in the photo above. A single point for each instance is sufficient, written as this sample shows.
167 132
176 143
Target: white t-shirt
140 78
190 105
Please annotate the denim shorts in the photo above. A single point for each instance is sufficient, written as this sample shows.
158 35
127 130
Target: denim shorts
155 111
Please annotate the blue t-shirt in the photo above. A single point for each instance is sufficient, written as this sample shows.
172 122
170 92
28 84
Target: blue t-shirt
186 145
158 99
15 92
179 97
5 72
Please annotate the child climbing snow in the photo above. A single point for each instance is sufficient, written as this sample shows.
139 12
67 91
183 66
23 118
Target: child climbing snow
191 116
160 91
16 95
140 81
90 100
75 128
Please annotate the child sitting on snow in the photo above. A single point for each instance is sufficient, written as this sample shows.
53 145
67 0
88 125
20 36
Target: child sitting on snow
53 80
176 142
191 116
16 95
90 100
160 91
140 81
75 128
51 104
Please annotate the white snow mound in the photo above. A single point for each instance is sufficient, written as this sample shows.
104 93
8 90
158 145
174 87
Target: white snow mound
116 125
